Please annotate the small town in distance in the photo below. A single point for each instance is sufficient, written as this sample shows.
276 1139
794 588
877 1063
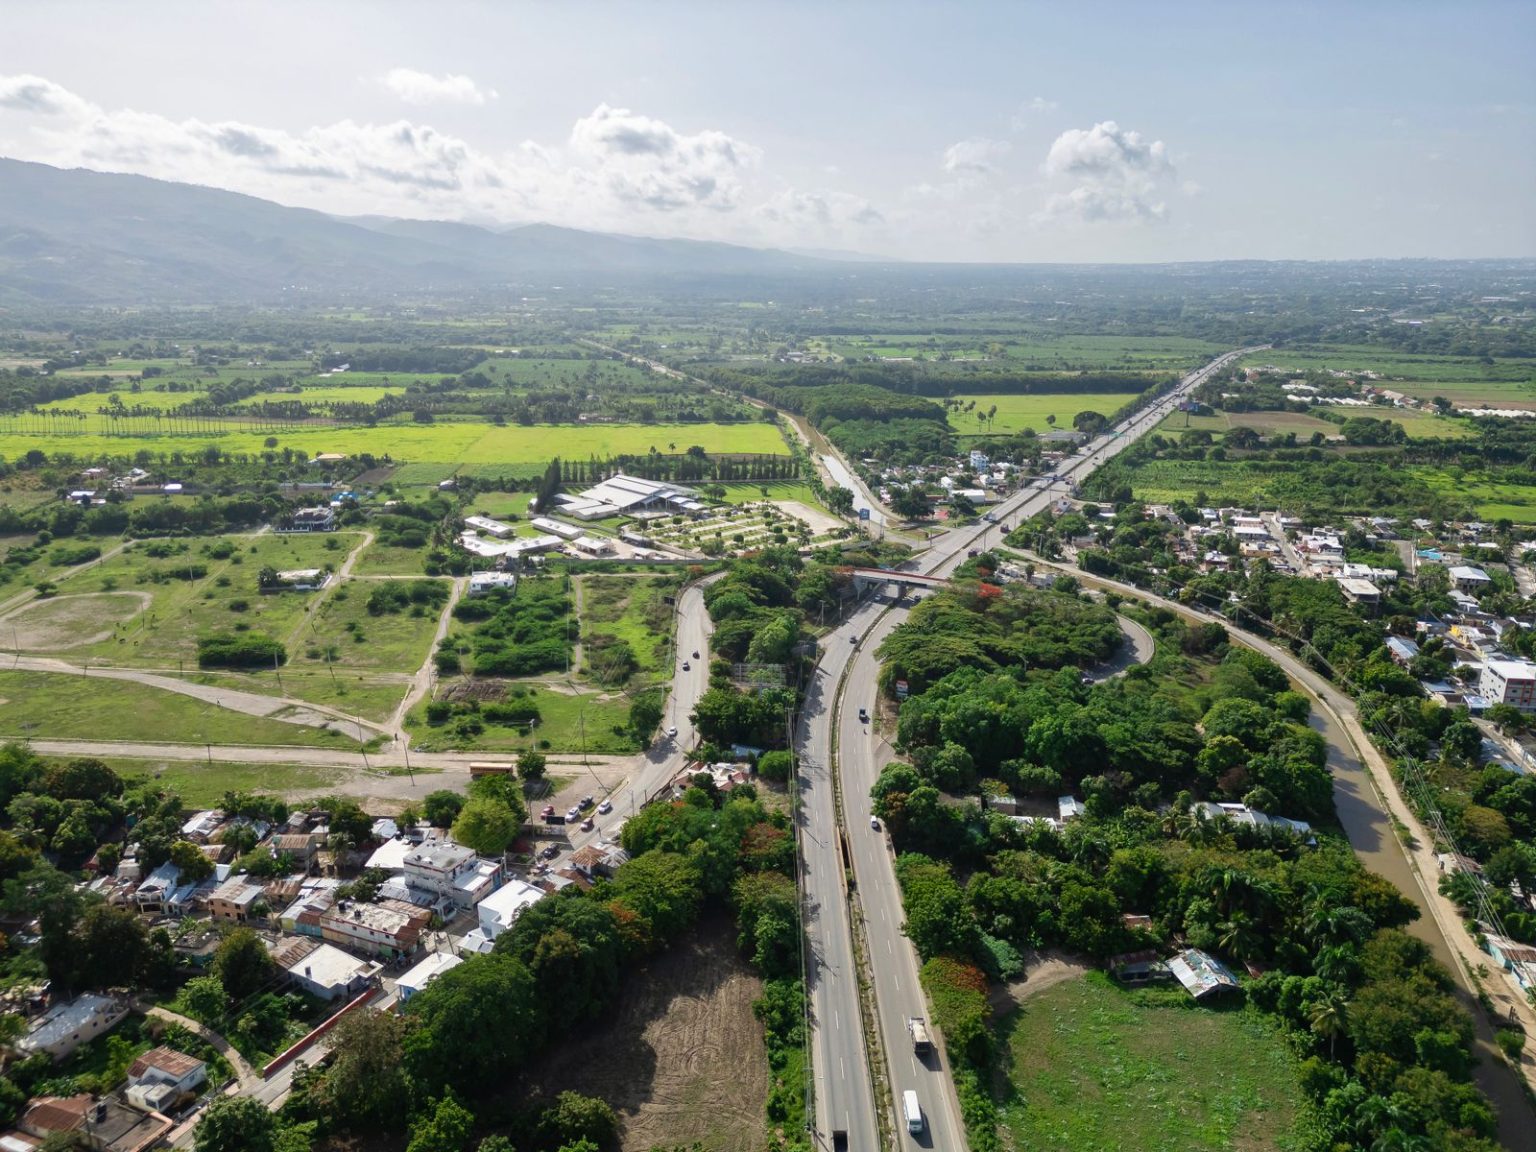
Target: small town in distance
551 604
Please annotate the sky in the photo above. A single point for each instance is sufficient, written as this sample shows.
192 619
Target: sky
1077 132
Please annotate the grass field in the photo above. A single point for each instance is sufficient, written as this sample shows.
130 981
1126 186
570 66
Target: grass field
342 628
633 608
510 447
566 722
1093 1068
777 490
165 633
1495 500
1042 350
1461 379
201 784
1418 425
1016 413
60 706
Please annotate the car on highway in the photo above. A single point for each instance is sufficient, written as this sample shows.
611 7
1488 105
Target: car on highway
874 822
853 639
695 655
672 733
605 807
587 825
686 666
863 715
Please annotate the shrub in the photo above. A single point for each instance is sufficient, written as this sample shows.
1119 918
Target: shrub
252 650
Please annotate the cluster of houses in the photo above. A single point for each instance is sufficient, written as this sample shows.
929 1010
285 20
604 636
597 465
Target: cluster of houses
974 477
438 902
97 483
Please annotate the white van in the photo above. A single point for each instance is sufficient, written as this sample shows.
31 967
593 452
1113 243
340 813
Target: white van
914 1112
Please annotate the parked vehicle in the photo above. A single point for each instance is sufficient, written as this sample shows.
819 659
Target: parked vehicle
547 811
586 802
874 822
605 807
572 815
550 851
586 825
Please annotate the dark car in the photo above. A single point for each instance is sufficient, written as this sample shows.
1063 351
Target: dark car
550 851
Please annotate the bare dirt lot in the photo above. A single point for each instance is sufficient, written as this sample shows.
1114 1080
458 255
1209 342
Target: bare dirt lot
681 1058
73 621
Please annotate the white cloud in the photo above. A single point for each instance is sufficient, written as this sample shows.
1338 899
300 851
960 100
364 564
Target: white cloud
415 87
617 169
821 211
646 161
1036 106
975 156
1117 175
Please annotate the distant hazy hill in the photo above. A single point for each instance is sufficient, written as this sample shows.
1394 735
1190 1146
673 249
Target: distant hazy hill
79 237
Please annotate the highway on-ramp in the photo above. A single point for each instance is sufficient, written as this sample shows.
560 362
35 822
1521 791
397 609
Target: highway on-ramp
844 1092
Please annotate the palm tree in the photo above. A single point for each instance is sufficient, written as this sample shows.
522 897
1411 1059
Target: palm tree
1238 936
1330 1017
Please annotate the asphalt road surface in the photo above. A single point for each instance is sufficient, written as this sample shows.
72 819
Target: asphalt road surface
844 1093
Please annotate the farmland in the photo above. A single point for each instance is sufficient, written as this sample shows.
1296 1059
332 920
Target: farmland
1018 412
513 448
1040 351
1418 425
1091 1067
1464 380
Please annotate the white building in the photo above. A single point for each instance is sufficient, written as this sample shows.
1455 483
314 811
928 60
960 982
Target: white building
1465 578
502 907
484 583
1510 682
545 524
422 974
324 970
65 1027
488 527
451 872
623 495
162 1077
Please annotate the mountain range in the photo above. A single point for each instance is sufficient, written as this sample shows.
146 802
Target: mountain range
80 237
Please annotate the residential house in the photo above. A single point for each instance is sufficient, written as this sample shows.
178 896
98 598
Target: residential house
451 872
1510 682
234 899
1402 651
317 519
1361 592
1465 578
163 1078
107 1125
433 965
304 847
65 1027
484 583
1069 807
1201 974
501 908
392 929
164 891
324 970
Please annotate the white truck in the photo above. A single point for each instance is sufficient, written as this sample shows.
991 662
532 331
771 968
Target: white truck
917 1028
913 1111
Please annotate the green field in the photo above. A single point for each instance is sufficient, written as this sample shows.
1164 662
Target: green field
633 608
201 784
169 401
1093 1068
1462 379
1495 500
1037 351
777 490
61 706
1418 425
566 721
452 444
1016 413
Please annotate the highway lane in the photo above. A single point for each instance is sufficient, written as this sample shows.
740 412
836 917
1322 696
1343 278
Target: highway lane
843 1100
898 994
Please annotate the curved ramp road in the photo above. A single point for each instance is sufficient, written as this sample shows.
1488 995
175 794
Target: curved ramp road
844 1095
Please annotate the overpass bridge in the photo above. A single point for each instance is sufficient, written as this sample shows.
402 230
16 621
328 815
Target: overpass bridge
864 578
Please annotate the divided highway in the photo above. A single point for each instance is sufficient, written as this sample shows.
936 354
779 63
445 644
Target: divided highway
844 1093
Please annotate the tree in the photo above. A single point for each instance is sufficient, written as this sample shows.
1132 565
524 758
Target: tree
575 1117
1329 1017
243 964
441 808
236 1124
645 714
531 764
190 861
445 1127
839 500
775 765
111 947
487 825
204 999
475 1023
366 1086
